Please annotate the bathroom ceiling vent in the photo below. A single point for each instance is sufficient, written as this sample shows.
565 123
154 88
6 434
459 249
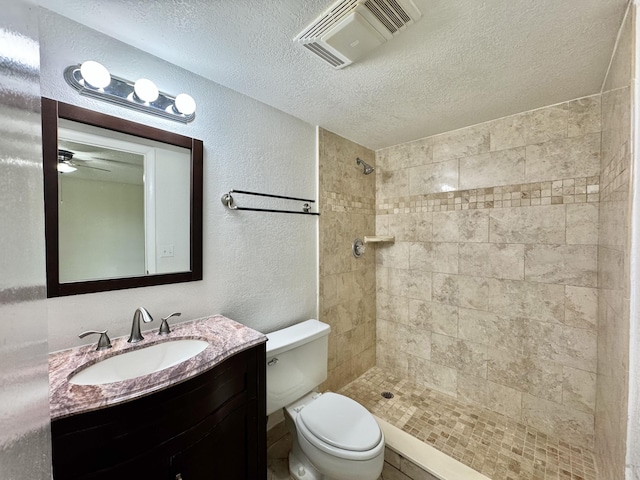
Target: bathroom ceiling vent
350 29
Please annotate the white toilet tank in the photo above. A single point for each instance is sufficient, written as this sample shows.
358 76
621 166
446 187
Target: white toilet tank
297 359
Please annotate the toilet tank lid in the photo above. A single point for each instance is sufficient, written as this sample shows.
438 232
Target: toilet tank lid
295 335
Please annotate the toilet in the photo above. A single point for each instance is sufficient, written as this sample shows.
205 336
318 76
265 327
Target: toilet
334 437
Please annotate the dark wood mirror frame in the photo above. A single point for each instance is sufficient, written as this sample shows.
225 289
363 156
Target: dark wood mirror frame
52 110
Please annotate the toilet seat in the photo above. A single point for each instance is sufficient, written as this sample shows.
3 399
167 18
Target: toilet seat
340 427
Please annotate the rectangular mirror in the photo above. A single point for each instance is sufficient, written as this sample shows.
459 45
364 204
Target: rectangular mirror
123 202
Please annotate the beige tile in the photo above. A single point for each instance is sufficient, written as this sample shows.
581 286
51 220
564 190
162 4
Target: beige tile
496 260
579 390
504 167
584 116
410 227
410 340
382 224
478 326
395 255
564 158
410 154
473 389
565 422
392 308
506 332
461 143
568 346
433 316
433 178
410 283
539 225
432 375
525 299
581 307
545 124
526 373
566 264
392 183
582 224
505 400
461 226
466 357
507 132
461 290
434 257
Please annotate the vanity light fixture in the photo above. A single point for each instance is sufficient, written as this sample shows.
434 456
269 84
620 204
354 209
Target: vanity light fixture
93 80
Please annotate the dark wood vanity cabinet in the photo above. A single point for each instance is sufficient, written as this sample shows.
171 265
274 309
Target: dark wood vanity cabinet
212 426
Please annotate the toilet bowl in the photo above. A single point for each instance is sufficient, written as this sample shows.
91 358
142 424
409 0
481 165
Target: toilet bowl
334 437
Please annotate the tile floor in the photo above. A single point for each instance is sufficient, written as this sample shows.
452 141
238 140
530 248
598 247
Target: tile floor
494 445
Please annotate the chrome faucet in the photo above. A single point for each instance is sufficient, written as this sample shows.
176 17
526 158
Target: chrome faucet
140 312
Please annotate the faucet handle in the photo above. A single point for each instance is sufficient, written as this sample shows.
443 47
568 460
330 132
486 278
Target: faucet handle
103 342
164 326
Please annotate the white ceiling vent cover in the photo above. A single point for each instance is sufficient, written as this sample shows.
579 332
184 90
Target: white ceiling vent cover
349 29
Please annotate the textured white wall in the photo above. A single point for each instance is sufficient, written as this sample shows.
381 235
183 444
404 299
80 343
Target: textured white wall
259 268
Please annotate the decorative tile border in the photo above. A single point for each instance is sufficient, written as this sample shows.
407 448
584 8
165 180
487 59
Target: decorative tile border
573 190
339 202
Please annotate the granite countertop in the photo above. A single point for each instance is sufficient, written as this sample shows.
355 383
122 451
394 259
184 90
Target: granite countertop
226 337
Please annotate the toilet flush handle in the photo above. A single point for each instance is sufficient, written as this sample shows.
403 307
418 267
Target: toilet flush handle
273 361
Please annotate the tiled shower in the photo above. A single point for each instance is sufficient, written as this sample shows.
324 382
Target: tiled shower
507 285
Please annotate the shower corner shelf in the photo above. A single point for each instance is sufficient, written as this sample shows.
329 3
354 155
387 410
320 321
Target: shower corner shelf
379 239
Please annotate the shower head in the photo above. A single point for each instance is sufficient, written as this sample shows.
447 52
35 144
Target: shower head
367 168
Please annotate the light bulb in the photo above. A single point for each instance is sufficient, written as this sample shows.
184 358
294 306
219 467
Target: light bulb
64 167
146 90
95 74
185 104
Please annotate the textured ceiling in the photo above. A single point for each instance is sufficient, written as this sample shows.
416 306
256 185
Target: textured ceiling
464 62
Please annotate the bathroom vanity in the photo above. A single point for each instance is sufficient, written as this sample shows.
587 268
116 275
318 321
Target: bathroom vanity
204 418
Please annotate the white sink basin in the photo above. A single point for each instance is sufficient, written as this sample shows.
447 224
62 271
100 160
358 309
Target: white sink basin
140 362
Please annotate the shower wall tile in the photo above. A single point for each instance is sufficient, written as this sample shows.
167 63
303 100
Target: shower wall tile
563 158
616 422
434 257
582 224
545 124
433 375
581 307
408 227
507 132
579 390
461 143
511 253
415 284
573 425
565 264
544 224
347 286
584 116
460 226
436 177
466 357
495 260
504 167
434 317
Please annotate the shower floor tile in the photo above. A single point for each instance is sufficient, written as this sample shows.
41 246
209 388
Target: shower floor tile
490 443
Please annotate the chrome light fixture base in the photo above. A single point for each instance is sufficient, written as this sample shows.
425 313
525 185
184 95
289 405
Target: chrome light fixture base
121 92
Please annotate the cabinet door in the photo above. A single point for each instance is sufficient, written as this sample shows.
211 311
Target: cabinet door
221 454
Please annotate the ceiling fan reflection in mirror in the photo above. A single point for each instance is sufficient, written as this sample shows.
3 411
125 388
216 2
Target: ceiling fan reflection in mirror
66 164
